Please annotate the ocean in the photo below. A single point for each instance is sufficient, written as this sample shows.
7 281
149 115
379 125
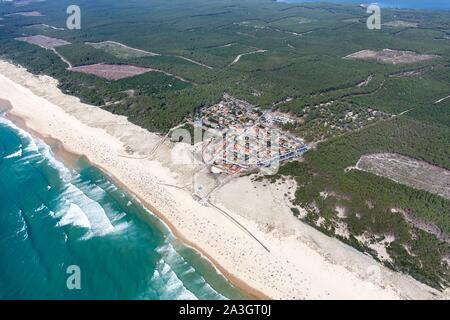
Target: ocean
54 216
400 4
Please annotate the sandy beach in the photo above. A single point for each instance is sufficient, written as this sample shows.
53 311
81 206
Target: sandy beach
249 234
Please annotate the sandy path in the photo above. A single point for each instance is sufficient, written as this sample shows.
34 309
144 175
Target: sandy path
149 53
194 62
126 47
443 99
296 267
236 60
70 66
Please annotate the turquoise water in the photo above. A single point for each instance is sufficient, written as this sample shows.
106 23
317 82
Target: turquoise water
52 217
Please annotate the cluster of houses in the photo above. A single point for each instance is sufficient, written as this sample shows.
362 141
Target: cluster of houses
248 138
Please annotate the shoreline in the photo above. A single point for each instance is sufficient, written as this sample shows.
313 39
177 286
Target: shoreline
69 158
302 263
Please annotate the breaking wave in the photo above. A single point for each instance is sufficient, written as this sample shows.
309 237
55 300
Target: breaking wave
80 217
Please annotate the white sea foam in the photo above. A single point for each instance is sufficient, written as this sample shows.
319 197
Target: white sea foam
171 260
188 271
75 216
118 221
20 132
81 210
46 152
6 122
31 145
16 154
36 148
172 287
118 229
99 221
23 230
40 208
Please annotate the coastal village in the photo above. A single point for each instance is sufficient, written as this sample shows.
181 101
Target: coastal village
249 138
239 138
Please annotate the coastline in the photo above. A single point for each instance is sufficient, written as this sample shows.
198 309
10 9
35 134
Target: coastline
69 159
297 267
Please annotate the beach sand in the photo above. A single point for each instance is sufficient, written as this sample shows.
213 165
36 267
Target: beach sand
253 239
